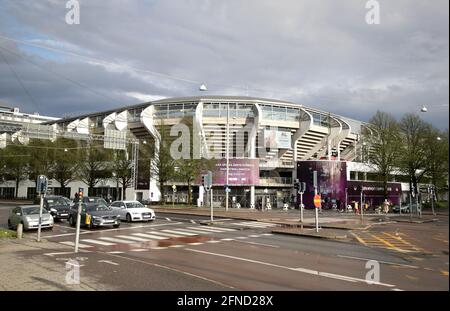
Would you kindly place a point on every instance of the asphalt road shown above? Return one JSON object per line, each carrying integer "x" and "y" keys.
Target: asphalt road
{"x": 178, "y": 253}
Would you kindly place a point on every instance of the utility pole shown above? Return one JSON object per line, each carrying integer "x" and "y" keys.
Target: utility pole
{"x": 227, "y": 157}
{"x": 77, "y": 233}
{"x": 42, "y": 183}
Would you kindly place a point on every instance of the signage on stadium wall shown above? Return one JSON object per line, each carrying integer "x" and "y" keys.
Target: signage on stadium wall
{"x": 277, "y": 138}
{"x": 241, "y": 172}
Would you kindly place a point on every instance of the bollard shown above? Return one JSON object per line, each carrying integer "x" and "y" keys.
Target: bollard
{"x": 19, "y": 231}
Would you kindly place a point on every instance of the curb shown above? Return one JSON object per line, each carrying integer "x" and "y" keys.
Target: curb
{"x": 339, "y": 238}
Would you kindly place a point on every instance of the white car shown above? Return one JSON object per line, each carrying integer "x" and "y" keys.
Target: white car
{"x": 133, "y": 211}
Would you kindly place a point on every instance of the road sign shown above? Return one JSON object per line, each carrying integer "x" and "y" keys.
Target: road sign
{"x": 317, "y": 201}
{"x": 227, "y": 189}
{"x": 41, "y": 184}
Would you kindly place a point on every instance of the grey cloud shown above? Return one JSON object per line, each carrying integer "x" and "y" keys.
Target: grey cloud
{"x": 320, "y": 54}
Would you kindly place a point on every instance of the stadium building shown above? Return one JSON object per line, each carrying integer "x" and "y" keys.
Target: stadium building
{"x": 270, "y": 144}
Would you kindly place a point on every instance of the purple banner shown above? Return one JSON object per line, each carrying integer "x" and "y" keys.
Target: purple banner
{"x": 241, "y": 172}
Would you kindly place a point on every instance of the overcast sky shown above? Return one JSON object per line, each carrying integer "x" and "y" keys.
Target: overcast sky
{"x": 321, "y": 54}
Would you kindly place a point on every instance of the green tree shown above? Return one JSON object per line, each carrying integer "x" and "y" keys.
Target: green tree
{"x": 17, "y": 159}
{"x": 66, "y": 160}
{"x": 162, "y": 166}
{"x": 413, "y": 155}
{"x": 94, "y": 165}
{"x": 383, "y": 140}
{"x": 436, "y": 153}
{"x": 189, "y": 168}
{"x": 121, "y": 168}
{"x": 41, "y": 160}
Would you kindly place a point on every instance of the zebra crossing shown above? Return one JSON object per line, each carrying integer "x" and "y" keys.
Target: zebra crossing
{"x": 173, "y": 234}
{"x": 255, "y": 224}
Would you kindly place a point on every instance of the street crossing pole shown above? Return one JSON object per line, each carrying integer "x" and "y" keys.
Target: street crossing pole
{"x": 77, "y": 234}
{"x": 40, "y": 217}
{"x": 316, "y": 205}
{"x": 41, "y": 185}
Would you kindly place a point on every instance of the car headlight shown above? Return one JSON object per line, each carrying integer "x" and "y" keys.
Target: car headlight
{"x": 28, "y": 219}
{"x": 95, "y": 217}
{"x": 53, "y": 210}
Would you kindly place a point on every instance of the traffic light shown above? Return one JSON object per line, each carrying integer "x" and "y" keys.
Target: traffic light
{"x": 303, "y": 187}
{"x": 297, "y": 184}
{"x": 203, "y": 180}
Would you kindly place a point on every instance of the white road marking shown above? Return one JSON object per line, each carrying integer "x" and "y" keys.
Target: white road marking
{"x": 151, "y": 236}
{"x": 176, "y": 246}
{"x": 206, "y": 229}
{"x": 115, "y": 252}
{"x": 80, "y": 245}
{"x": 255, "y": 224}
{"x": 179, "y": 232}
{"x": 117, "y": 240}
{"x": 303, "y": 270}
{"x": 397, "y": 290}
{"x": 267, "y": 234}
{"x": 139, "y": 250}
{"x": 197, "y": 232}
{"x": 158, "y": 247}
{"x": 213, "y": 241}
{"x": 228, "y": 239}
{"x": 224, "y": 229}
{"x": 98, "y": 242}
{"x": 241, "y": 237}
{"x": 196, "y": 243}
{"x": 380, "y": 261}
{"x": 109, "y": 262}
{"x": 118, "y": 229}
{"x": 135, "y": 238}
{"x": 165, "y": 235}
{"x": 262, "y": 244}
{"x": 60, "y": 253}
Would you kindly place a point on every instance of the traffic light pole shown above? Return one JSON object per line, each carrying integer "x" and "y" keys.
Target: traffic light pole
{"x": 211, "y": 204}
{"x": 77, "y": 234}
{"x": 301, "y": 207}
{"x": 40, "y": 218}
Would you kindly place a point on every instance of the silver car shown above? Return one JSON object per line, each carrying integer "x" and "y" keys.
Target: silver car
{"x": 28, "y": 215}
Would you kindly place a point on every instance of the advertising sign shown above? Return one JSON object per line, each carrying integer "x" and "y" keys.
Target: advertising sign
{"x": 241, "y": 172}
{"x": 277, "y": 138}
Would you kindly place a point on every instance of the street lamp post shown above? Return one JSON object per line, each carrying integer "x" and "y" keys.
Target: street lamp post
{"x": 227, "y": 157}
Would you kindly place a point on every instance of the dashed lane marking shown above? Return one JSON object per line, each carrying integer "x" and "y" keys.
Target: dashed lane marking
{"x": 80, "y": 245}
{"x": 98, "y": 242}
{"x": 299, "y": 269}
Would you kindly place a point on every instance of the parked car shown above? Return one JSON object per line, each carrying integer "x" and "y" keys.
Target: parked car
{"x": 57, "y": 206}
{"x": 28, "y": 215}
{"x": 405, "y": 209}
{"x": 96, "y": 200}
{"x": 133, "y": 211}
{"x": 94, "y": 215}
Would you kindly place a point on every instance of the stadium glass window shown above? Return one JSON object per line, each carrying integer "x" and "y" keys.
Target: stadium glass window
{"x": 267, "y": 112}
{"x": 292, "y": 114}
{"x": 279, "y": 113}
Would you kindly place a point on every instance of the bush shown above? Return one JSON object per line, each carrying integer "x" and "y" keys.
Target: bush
{"x": 6, "y": 233}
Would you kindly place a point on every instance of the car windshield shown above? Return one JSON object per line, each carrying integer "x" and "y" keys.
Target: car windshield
{"x": 32, "y": 210}
{"x": 97, "y": 200}
{"x": 56, "y": 201}
{"x": 134, "y": 205}
{"x": 97, "y": 208}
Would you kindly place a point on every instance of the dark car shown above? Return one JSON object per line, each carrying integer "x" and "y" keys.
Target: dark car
{"x": 96, "y": 200}
{"x": 56, "y": 205}
{"x": 94, "y": 215}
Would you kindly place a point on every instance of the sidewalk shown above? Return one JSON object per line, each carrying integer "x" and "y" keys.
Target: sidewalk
{"x": 24, "y": 269}
{"x": 324, "y": 233}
